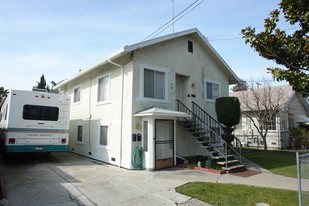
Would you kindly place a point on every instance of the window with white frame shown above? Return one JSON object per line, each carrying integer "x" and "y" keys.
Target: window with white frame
{"x": 80, "y": 133}
{"x": 76, "y": 95}
{"x": 272, "y": 124}
{"x": 103, "y": 89}
{"x": 212, "y": 90}
{"x": 154, "y": 84}
{"x": 103, "y": 135}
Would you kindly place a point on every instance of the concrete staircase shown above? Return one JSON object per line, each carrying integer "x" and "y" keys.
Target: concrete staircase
{"x": 208, "y": 132}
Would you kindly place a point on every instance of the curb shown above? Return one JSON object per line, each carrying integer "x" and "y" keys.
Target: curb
{"x": 203, "y": 169}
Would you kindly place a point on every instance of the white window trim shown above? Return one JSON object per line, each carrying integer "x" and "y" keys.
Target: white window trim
{"x": 154, "y": 68}
{"x": 205, "y": 89}
{"x": 83, "y": 134}
{"x": 109, "y": 89}
{"x": 80, "y": 101}
{"x": 108, "y": 135}
{"x": 276, "y": 124}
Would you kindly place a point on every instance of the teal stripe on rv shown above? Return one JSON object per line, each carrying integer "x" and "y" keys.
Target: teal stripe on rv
{"x": 36, "y": 148}
{"x": 35, "y": 130}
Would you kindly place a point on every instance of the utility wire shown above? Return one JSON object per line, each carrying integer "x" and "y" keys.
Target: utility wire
{"x": 174, "y": 19}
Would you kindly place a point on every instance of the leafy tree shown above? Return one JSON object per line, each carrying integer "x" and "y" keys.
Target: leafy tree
{"x": 242, "y": 86}
{"x": 289, "y": 50}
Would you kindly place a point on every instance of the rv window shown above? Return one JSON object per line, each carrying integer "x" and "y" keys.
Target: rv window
{"x": 35, "y": 112}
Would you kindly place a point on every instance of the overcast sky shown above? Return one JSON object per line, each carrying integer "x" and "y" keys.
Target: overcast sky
{"x": 58, "y": 37}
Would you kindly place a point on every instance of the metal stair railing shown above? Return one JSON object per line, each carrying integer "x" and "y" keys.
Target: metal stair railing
{"x": 214, "y": 138}
{"x": 212, "y": 123}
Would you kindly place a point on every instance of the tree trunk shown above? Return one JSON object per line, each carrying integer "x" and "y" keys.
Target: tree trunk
{"x": 265, "y": 142}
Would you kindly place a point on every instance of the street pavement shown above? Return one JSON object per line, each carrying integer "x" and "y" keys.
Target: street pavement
{"x": 67, "y": 179}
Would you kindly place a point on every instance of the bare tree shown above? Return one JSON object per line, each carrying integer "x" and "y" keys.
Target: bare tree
{"x": 262, "y": 106}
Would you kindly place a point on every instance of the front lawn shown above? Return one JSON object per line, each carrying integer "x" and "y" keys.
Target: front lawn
{"x": 231, "y": 194}
{"x": 280, "y": 163}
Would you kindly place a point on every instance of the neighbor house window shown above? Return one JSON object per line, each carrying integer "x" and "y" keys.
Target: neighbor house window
{"x": 212, "y": 90}
{"x": 244, "y": 123}
{"x": 80, "y": 133}
{"x": 103, "y": 137}
{"x": 154, "y": 84}
{"x": 272, "y": 124}
{"x": 76, "y": 95}
{"x": 103, "y": 88}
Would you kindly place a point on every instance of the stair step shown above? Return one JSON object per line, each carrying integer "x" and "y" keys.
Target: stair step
{"x": 210, "y": 146}
{"x": 221, "y": 157}
{"x": 191, "y": 125}
{"x": 195, "y": 129}
{"x": 213, "y": 152}
{"x": 233, "y": 167}
{"x": 228, "y": 162}
{"x": 202, "y": 142}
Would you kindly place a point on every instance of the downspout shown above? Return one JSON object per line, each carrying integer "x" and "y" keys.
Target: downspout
{"x": 121, "y": 107}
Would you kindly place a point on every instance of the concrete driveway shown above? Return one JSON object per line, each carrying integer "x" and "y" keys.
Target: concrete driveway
{"x": 69, "y": 179}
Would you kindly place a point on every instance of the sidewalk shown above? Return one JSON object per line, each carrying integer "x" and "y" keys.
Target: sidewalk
{"x": 82, "y": 181}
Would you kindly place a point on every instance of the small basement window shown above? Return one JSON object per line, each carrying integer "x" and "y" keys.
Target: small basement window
{"x": 190, "y": 46}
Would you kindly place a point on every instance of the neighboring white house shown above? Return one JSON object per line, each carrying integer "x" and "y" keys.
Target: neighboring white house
{"x": 293, "y": 111}
{"x": 129, "y": 99}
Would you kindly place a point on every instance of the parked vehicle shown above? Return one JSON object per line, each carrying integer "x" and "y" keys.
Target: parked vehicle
{"x": 34, "y": 121}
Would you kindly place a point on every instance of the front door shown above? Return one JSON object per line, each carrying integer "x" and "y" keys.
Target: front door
{"x": 164, "y": 143}
{"x": 180, "y": 88}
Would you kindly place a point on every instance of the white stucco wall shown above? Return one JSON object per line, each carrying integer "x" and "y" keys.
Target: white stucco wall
{"x": 173, "y": 58}
{"x": 91, "y": 115}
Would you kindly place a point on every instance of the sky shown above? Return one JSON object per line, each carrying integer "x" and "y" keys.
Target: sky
{"x": 57, "y": 38}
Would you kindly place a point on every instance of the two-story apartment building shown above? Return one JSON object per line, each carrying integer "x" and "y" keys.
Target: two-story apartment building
{"x": 129, "y": 99}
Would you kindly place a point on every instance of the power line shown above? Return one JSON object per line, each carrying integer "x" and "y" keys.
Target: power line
{"x": 237, "y": 38}
{"x": 174, "y": 19}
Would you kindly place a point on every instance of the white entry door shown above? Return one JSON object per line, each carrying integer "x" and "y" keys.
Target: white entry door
{"x": 164, "y": 143}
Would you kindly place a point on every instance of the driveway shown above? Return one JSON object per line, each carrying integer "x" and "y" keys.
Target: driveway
{"x": 70, "y": 179}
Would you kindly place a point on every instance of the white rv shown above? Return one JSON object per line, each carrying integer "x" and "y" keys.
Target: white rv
{"x": 32, "y": 121}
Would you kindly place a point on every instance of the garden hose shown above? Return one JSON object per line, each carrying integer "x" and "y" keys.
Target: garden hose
{"x": 138, "y": 158}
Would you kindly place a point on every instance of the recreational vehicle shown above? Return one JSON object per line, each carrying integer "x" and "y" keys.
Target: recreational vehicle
{"x": 33, "y": 121}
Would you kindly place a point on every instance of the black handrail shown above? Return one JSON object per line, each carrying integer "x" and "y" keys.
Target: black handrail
{"x": 215, "y": 124}
{"x": 209, "y": 124}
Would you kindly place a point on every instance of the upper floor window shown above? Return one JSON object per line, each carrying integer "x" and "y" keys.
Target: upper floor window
{"x": 190, "y": 46}
{"x": 76, "y": 95}
{"x": 154, "y": 84}
{"x": 103, "y": 89}
{"x": 212, "y": 90}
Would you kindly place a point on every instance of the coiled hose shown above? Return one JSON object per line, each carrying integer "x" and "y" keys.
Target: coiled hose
{"x": 138, "y": 158}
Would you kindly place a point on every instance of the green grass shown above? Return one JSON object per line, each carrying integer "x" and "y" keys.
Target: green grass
{"x": 238, "y": 195}
{"x": 277, "y": 162}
